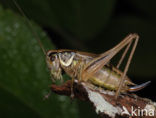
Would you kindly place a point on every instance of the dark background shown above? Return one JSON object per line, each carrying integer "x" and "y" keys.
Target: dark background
{"x": 94, "y": 26}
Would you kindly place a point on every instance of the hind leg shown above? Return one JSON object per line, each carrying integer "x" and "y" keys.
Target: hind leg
{"x": 136, "y": 37}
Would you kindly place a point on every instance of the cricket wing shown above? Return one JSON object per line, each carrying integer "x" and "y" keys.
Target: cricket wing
{"x": 98, "y": 62}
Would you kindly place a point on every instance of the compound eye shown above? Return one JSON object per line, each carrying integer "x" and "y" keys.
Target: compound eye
{"x": 52, "y": 58}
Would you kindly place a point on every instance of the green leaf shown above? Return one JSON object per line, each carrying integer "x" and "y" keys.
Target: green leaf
{"x": 24, "y": 77}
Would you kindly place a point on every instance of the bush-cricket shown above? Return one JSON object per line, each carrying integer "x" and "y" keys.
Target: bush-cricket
{"x": 92, "y": 68}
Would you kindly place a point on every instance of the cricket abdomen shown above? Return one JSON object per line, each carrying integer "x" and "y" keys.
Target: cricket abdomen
{"x": 109, "y": 78}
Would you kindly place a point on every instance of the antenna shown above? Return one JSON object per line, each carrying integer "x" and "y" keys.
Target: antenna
{"x": 30, "y": 26}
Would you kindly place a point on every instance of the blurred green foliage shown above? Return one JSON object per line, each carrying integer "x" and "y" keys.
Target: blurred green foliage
{"x": 24, "y": 78}
{"x": 88, "y": 25}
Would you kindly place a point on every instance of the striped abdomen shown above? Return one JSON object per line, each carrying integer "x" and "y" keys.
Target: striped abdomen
{"x": 109, "y": 78}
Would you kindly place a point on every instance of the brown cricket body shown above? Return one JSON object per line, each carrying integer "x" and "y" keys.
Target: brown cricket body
{"x": 73, "y": 62}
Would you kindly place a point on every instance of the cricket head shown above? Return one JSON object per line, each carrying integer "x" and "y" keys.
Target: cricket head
{"x": 53, "y": 64}
{"x": 57, "y": 60}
